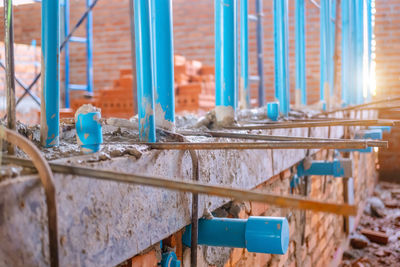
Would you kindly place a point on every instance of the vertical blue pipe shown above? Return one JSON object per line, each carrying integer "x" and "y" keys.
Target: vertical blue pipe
{"x": 163, "y": 58}
{"x": 353, "y": 51}
{"x": 225, "y": 53}
{"x": 147, "y": 130}
{"x": 300, "y": 52}
{"x": 369, "y": 22}
{"x": 244, "y": 53}
{"x": 260, "y": 52}
{"x": 332, "y": 46}
{"x": 346, "y": 53}
{"x": 324, "y": 49}
{"x": 50, "y": 114}
{"x": 66, "y": 54}
{"x": 89, "y": 48}
{"x": 281, "y": 55}
{"x": 359, "y": 50}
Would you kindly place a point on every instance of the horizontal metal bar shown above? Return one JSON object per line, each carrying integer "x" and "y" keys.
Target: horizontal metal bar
{"x": 76, "y": 39}
{"x": 78, "y": 87}
{"x": 197, "y": 187}
{"x": 360, "y": 106}
{"x": 287, "y": 125}
{"x": 256, "y": 145}
{"x": 383, "y": 144}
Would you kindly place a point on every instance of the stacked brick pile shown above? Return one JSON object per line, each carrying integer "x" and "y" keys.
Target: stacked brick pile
{"x": 114, "y": 102}
{"x": 194, "y": 91}
{"x": 194, "y": 85}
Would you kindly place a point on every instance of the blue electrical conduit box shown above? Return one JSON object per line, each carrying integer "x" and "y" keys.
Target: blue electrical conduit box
{"x": 336, "y": 168}
{"x": 257, "y": 234}
{"x": 374, "y": 134}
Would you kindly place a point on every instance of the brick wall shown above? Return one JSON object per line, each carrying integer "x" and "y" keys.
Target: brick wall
{"x": 324, "y": 235}
{"x": 27, "y": 65}
{"x": 388, "y": 80}
{"x": 193, "y": 38}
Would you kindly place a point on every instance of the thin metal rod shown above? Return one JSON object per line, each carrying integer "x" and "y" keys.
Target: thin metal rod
{"x": 27, "y": 89}
{"x": 354, "y": 107}
{"x": 257, "y": 145}
{"x": 10, "y": 71}
{"x": 373, "y": 143}
{"x": 196, "y": 187}
{"x": 315, "y": 124}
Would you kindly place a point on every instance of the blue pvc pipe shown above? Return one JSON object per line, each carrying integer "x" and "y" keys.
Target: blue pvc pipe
{"x": 50, "y": 113}
{"x": 281, "y": 55}
{"x": 334, "y": 168}
{"x": 300, "y": 51}
{"x": 66, "y": 54}
{"x": 88, "y": 132}
{"x": 359, "y": 7}
{"x": 225, "y": 53}
{"x": 257, "y": 234}
{"x": 89, "y": 48}
{"x": 324, "y": 50}
{"x": 369, "y": 25}
{"x": 260, "y": 53}
{"x": 244, "y": 52}
{"x": 352, "y": 56}
{"x": 332, "y": 46}
{"x": 346, "y": 53}
{"x": 147, "y": 129}
{"x": 163, "y": 57}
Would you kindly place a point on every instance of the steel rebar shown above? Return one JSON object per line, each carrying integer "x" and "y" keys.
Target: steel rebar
{"x": 287, "y": 125}
{"x": 10, "y": 71}
{"x": 257, "y": 145}
{"x": 197, "y": 187}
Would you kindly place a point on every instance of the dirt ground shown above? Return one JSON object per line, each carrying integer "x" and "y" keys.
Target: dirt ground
{"x": 382, "y": 214}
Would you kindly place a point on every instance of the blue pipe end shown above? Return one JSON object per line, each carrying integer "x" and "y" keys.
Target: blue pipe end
{"x": 273, "y": 111}
{"x": 88, "y": 132}
{"x": 267, "y": 235}
{"x": 170, "y": 260}
{"x": 258, "y": 234}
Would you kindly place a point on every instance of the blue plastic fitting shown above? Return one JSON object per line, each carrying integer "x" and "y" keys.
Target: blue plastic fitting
{"x": 336, "y": 168}
{"x": 375, "y": 134}
{"x": 88, "y": 132}
{"x": 273, "y": 111}
{"x": 170, "y": 260}
{"x": 256, "y": 234}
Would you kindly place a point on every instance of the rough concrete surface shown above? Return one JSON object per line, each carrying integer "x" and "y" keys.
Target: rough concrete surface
{"x": 103, "y": 223}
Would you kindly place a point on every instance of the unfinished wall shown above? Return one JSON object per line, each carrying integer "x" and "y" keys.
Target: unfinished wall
{"x": 193, "y": 38}
{"x": 323, "y": 236}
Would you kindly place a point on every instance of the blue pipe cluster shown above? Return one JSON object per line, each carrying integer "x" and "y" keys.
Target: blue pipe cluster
{"x": 50, "y": 105}
{"x": 335, "y": 168}
{"x": 256, "y": 234}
